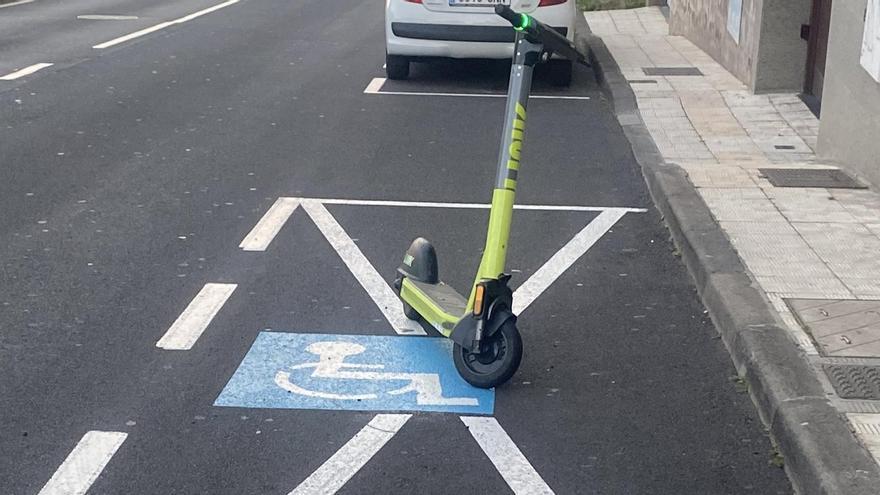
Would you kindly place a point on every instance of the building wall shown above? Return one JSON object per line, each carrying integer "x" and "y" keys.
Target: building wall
{"x": 849, "y": 130}
{"x": 705, "y": 24}
{"x": 770, "y": 55}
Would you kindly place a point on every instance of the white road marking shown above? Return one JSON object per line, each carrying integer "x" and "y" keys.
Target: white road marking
{"x": 526, "y": 293}
{"x": 163, "y": 25}
{"x": 375, "y": 86}
{"x": 13, "y": 4}
{"x": 24, "y": 72}
{"x": 348, "y": 460}
{"x": 103, "y": 17}
{"x": 476, "y": 206}
{"x": 384, "y": 297}
{"x": 190, "y": 325}
{"x": 268, "y": 227}
{"x": 506, "y": 456}
{"x": 84, "y": 463}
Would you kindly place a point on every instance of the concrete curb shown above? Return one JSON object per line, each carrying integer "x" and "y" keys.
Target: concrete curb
{"x": 822, "y": 455}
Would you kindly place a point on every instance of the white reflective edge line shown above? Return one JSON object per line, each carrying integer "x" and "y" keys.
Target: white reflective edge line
{"x": 13, "y": 4}
{"x": 348, "y": 460}
{"x": 163, "y": 25}
{"x": 379, "y": 291}
{"x": 25, "y": 72}
{"x": 526, "y": 293}
{"x": 268, "y": 227}
{"x": 84, "y": 463}
{"x": 190, "y": 325}
{"x": 429, "y": 204}
{"x": 510, "y": 462}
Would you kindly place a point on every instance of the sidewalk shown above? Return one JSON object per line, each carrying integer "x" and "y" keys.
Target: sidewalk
{"x": 814, "y": 252}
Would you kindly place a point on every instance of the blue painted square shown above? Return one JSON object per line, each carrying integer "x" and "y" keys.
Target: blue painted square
{"x": 352, "y": 372}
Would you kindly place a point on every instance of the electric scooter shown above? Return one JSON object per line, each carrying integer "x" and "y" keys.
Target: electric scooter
{"x": 487, "y": 346}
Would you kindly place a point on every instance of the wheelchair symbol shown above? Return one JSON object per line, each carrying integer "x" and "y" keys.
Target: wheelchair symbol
{"x": 331, "y": 365}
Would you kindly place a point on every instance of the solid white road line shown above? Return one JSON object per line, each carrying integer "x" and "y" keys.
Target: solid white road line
{"x": 84, "y": 463}
{"x": 375, "y": 88}
{"x": 163, "y": 25}
{"x": 190, "y": 325}
{"x": 268, "y": 227}
{"x": 24, "y": 72}
{"x": 476, "y": 206}
{"x": 526, "y": 293}
{"x": 13, "y": 4}
{"x": 362, "y": 269}
{"x": 507, "y": 458}
{"x": 347, "y": 461}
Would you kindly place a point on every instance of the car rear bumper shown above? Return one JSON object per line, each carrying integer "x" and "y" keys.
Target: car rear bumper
{"x": 458, "y": 32}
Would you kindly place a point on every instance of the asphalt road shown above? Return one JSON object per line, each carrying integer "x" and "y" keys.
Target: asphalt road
{"x": 130, "y": 175}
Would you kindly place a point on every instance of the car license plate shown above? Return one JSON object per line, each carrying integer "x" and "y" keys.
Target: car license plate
{"x": 477, "y": 3}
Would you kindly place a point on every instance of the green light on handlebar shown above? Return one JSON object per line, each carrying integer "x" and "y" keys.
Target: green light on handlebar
{"x": 524, "y": 22}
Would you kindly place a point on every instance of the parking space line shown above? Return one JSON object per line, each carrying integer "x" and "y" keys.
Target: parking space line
{"x": 510, "y": 462}
{"x": 476, "y": 206}
{"x": 84, "y": 463}
{"x": 375, "y": 88}
{"x": 526, "y": 293}
{"x": 385, "y": 298}
{"x": 24, "y": 72}
{"x": 348, "y": 460}
{"x": 163, "y": 25}
{"x": 190, "y": 325}
{"x": 268, "y": 227}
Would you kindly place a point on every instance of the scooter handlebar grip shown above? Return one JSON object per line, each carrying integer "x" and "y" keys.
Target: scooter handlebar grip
{"x": 508, "y": 13}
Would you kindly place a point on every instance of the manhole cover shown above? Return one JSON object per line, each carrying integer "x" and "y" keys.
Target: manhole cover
{"x": 807, "y": 177}
{"x": 840, "y": 327}
{"x": 671, "y": 71}
{"x": 853, "y": 381}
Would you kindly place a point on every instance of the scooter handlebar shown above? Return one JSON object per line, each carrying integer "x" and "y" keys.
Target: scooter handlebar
{"x": 538, "y": 32}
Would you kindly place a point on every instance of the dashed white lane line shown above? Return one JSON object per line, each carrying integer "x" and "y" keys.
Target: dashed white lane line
{"x": 526, "y": 293}
{"x": 513, "y": 466}
{"x": 268, "y": 227}
{"x": 163, "y": 25}
{"x": 190, "y": 325}
{"x": 363, "y": 270}
{"x": 375, "y": 88}
{"x": 84, "y": 463}
{"x": 24, "y": 72}
{"x": 347, "y": 461}
{"x": 104, "y": 17}
{"x": 475, "y": 206}
{"x": 13, "y": 4}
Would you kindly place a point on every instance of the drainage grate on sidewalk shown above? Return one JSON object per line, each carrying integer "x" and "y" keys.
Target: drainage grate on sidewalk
{"x": 671, "y": 71}
{"x": 852, "y": 381}
{"x": 807, "y": 177}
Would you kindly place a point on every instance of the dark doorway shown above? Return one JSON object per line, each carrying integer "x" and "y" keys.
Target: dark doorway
{"x": 820, "y": 23}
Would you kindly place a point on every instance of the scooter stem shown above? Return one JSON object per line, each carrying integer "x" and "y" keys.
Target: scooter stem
{"x": 526, "y": 56}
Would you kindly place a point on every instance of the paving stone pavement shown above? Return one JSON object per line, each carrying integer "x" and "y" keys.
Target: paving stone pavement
{"x": 808, "y": 248}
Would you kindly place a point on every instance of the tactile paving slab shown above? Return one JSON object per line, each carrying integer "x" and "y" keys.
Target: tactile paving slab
{"x": 854, "y": 381}
{"x": 808, "y": 177}
{"x": 671, "y": 71}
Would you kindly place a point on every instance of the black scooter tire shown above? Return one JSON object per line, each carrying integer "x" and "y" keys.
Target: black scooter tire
{"x": 491, "y": 368}
{"x": 410, "y": 312}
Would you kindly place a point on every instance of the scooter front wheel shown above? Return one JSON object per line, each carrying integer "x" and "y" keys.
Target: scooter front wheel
{"x": 495, "y": 362}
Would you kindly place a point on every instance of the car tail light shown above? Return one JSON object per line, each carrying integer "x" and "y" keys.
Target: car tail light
{"x": 413, "y": 1}
{"x": 547, "y": 3}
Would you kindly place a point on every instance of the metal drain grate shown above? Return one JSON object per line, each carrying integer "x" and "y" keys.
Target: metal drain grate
{"x": 808, "y": 177}
{"x": 671, "y": 71}
{"x": 852, "y": 381}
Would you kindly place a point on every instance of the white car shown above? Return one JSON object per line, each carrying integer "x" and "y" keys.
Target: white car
{"x": 418, "y": 29}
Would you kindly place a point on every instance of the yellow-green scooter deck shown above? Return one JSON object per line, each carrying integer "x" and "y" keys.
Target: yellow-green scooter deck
{"x": 439, "y": 304}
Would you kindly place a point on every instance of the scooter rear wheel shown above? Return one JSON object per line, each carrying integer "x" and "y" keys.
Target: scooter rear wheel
{"x": 495, "y": 362}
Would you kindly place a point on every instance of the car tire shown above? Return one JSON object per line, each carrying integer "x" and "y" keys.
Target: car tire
{"x": 560, "y": 72}
{"x": 396, "y": 67}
